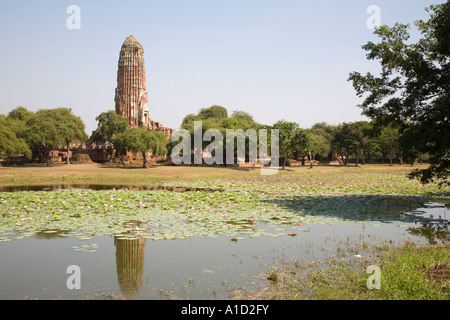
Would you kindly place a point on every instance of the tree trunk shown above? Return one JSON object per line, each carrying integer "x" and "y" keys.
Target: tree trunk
{"x": 345, "y": 160}
{"x": 390, "y": 161}
{"x": 357, "y": 158}
{"x": 284, "y": 162}
{"x": 48, "y": 159}
{"x": 145, "y": 160}
{"x": 68, "y": 150}
{"x": 310, "y": 160}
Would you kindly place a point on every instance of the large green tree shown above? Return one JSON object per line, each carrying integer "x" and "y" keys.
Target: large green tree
{"x": 301, "y": 145}
{"x": 410, "y": 144}
{"x": 388, "y": 139}
{"x": 10, "y": 144}
{"x": 216, "y": 117}
{"x": 413, "y": 85}
{"x": 12, "y": 133}
{"x": 17, "y": 120}
{"x": 50, "y": 129}
{"x": 141, "y": 140}
{"x": 321, "y": 135}
{"x": 351, "y": 140}
{"x": 110, "y": 124}
{"x": 73, "y": 130}
{"x": 286, "y": 130}
{"x": 214, "y": 111}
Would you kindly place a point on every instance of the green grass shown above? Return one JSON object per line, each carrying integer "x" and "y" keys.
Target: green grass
{"x": 97, "y": 173}
{"x": 403, "y": 269}
{"x": 101, "y": 174}
{"x": 405, "y": 276}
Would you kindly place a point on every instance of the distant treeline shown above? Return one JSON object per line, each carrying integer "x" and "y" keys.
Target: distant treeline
{"x": 359, "y": 141}
{"x": 33, "y": 135}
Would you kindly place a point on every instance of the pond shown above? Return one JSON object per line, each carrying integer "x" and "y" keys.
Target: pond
{"x": 139, "y": 263}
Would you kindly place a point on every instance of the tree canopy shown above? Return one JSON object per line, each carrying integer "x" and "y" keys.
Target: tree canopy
{"x": 301, "y": 144}
{"x": 388, "y": 139}
{"x": 286, "y": 131}
{"x": 49, "y": 129}
{"x": 216, "y": 117}
{"x": 10, "y": 144}
{"x": 73, "y": 129}
{"x": 141, "y": 140}
{"x": 413, "y": 86}
{"x": 110, "y": 124}
{"x": 12, "y": 133}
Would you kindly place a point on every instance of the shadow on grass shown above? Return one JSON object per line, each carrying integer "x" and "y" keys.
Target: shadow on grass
{"x": 381, "y": 208}
{"x": 426, "y": 218}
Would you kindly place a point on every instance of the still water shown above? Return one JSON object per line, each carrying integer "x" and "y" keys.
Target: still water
{"x": 192, "y": 268}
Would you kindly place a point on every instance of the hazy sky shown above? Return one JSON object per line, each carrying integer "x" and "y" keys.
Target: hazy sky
{"x": 275, "y": 59}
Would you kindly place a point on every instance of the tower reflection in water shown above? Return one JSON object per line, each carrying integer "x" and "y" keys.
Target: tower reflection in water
{"x": 130, "y": 253}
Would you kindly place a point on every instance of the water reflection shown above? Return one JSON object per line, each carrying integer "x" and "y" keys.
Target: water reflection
{"x": 130, "y": 253}
{"x": 66, "y": 186}
{"x": 434, "y": 236}
{"x": 52, "y": 233}
{"x": 435, "y": 228}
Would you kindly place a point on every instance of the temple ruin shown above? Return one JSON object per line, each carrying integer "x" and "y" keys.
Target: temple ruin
{"x": 131, "y": 97}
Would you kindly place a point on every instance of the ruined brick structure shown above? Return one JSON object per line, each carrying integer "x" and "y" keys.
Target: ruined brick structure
{"x": 131, "y": 97}
{"x": 131, "y": 101}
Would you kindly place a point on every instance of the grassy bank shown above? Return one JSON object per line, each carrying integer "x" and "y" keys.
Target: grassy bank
{"x": 408, "y": 272}
{"x": 101, "y": 174}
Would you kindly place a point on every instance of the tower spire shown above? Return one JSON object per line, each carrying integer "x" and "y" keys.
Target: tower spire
{"x": 131, "y": 96}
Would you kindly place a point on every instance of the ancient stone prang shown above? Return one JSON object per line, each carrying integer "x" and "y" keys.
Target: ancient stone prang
{"x": 131, "y": 96}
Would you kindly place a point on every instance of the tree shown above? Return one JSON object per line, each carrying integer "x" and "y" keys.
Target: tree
{"x": 321, "y": 135}
{"x": 369, "y": 145}
{"x": 341, "y": 143}
{"x": 10, "y": 144}
{"x": 216, "y": 117}
{"x": 73, "y": 129}
{"x": 413, "y": 85}
{"x": 188, "y": 120}
{"x": 20, "y": 113}
{"x": 410, "y": 143}
{"x": 44, "y": 133}
{"x": 110, "y": 124}
{"x": 244, "y": 117}
{"x": 319, "y": 145}
{"x": 214, "y": 111}
{"x": 50, "y": 129}
{"x": 17, "y": 119}
{"x": 351, "y": 139}
{"x": 141, "y": 140}
{"x": 286, "y": 132}
{"x": 388, "y": 141}
{"x": 12, "y": 133}
{"x": 301, "y": 145}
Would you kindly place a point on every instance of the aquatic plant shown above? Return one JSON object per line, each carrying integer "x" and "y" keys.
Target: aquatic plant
{"x": 243, "y": 209}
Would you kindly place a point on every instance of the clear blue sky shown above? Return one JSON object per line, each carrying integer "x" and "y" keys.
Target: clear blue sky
{"x": 275, "y": 59}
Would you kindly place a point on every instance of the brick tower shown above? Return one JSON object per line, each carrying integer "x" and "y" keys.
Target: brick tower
{"x": 131, "y": 96}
